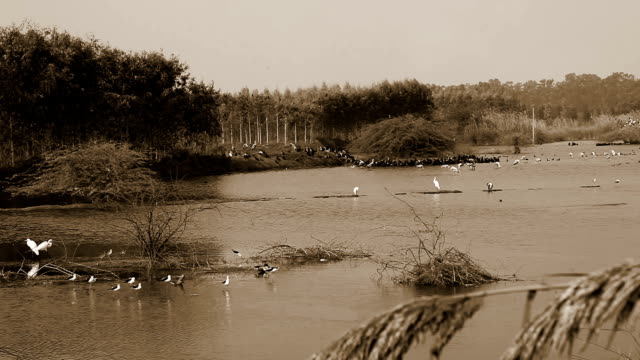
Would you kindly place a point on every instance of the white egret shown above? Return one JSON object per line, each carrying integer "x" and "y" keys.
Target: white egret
{"x": 116, "y": 287}
{"x": 45, "y": 245}
{"x": 137, "y": 287}
{"x": 72, "y": 277}
{"x": 538, "y": 159}
{"x": 594, "y": 180}
{"x": 498, "y": 164}
{"x": 489, "y": 186}
{"x": 436, "y": 183}
{"x": 355, "y": 190}
{"x": 33, "y": 246}
{"x": 226, "y": 282}
{"x": 131, "y": 280}
{"x": 33, "y": 271}
{"x": 92, "y": 279}
{"x": 109, "y": 252}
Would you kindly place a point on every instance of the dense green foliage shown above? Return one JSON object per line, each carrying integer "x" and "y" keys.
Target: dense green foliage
{"x": 59, "y": 89}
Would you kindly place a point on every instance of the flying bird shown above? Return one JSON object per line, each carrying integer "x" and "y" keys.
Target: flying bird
{"x": 33, "y": 246}
{"x": 436, "y": 183}
{"x": 226, "y": 282}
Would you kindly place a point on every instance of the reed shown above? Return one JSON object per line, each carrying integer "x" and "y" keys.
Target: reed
{"x": 584, "y": 306}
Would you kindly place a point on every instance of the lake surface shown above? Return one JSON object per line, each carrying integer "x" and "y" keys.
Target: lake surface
{"x": 542, "y": 223}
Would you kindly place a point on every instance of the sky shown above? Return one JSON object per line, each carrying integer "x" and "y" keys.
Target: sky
{"x": 278, "y": 44}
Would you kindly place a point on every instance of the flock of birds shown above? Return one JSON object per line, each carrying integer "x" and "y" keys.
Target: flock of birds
{"x": 261, "y": 270}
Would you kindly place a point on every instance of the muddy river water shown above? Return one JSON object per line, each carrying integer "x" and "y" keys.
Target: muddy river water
{"x": 542, "y": 223}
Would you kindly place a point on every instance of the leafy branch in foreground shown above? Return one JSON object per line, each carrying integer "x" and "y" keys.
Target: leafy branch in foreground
{"x": 585, "y": 305}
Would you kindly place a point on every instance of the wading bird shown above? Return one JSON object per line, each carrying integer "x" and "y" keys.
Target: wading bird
{"x": 436, "y": 183}
{"x": 236, "y": 252}
{"x": 131, "y": 280}
{"x": 489, "y": 186}
{"x": 137, "y": 287}
{"x": 33, "y": 271}
{"x": 617, "y": 181}
{"x": 166, "y": 278}
{"x": 355, "y": 190}
{"x": 72, "y": 277}
{"x": 226, "y": 282}
{"x": 498, "y": 164}
{"x": 33, "y": 246}
{"x": 109, "y": 252}
{"x": 179, "y": 281}
{"x": 516, "y": 162}
{"x": 115, "y": 288}
{"x": 92, "y": 279}
{"x": 45, "y": 245}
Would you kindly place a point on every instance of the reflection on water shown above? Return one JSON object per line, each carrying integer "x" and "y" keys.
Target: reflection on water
{"x": 557, "y": 228}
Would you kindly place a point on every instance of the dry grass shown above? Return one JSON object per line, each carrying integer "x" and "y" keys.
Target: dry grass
{"x": 588, "y": 303}
{"x": 321, "y": 251}
{"x": 390, "y": 335}
{"x": 585, "y": 306}
{"x": 431, "y": 262}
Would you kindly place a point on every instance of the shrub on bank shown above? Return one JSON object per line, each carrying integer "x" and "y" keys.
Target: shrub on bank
{"x": 403, "y": 137}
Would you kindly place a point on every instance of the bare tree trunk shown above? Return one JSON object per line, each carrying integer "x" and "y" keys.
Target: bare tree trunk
{"x": 311, "y": 134}
{"x": 222, "y": 128}
{"x": 305, "y": 131}
{"x": 13, "y": 160}
{"x": 231, "y": 123}
{"x": 249, "y": 127}
{"x": 241, "y": 132}
{"x": 285, "y": 130}
{"x": 295, "y": 133}
{"x": 277, "y": 129}
{"x": 266, "y": 125}
{"x": 258, "y": 132}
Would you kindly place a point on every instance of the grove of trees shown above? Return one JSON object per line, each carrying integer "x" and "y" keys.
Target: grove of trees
{"x": 59, "y": 90}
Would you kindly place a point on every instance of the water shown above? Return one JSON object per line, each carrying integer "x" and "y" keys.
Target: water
{"x": 542, "y": 223}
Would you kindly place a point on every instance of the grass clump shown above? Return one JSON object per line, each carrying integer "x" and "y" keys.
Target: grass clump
{"x": 97, "y": 172}
{"x": 322, "y": 251}
{"x": 432, "y": 263}
{"x": 403, "y": 137}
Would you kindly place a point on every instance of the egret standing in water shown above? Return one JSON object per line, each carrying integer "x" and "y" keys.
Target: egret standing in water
{"x": 436, "y": 183}
{"x": 92, "y": 279}
{"x": 115, "y": 288}
{"x": 355, "y": 191}
{"x": 226, "y": 282}
{"x": 489, "y": 186}
{"x": 137, "y": 287}
{"x": 166, "y": 278}
{"x": 72, "y": 277}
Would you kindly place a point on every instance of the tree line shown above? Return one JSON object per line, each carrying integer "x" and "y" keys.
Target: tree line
{"x": 57, "y": 90}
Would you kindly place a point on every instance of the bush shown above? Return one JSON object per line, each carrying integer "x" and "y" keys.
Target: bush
{"x": 403, "y": 137}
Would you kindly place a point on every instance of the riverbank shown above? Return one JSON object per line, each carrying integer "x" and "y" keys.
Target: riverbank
{"x": 108, "y": 172}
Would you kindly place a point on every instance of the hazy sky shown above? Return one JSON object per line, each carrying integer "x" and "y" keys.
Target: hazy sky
{"x": 298, "y": 43}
